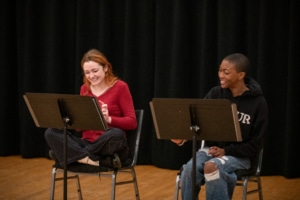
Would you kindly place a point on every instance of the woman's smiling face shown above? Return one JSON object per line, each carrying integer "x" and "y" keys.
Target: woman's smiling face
{"x": 94, "y": 72}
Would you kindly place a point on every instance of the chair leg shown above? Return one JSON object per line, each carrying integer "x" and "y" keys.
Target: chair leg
{"x": 136, "y": 189}
{"x": 176, "y": 193}
{"x": 255, "y": 179}
{"x": 245, "y": 188}
{"x": 78, "y": 187}
{"x": 244, "y": 184}
{"x": 53, "y": 177}
{"x": 133, "y": 181}
{"x": 259, "y": 188}
{"x": 113, "y": 185}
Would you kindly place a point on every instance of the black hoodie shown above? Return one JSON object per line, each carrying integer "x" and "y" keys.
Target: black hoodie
{"x": 253, "y": 118}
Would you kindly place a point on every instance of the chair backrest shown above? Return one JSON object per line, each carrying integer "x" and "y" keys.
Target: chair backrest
{"x": 259, "y": 162}
{"x": 133, "y": 137}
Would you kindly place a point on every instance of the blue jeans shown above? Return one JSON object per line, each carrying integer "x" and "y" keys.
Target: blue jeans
{"x": 218, "y": 188}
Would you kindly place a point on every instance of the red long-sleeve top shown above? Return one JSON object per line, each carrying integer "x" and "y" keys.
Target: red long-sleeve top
{"x": 120, "y": 108}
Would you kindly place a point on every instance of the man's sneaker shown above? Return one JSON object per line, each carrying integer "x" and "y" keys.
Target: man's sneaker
{"x": 111, "y": 161}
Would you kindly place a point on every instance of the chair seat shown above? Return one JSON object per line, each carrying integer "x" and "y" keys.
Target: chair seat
{"x": 85, "y": 168}
{"x": 242, "y": 172}
{"x": 253, "y": 171}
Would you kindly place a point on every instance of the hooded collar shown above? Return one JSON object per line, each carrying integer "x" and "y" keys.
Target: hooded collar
{"x": 254, "y": 87}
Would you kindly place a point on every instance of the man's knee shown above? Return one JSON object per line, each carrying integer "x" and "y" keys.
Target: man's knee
{"x": 186, "y": 171}
{"x": 210, "y": 167}
{"x": 211, "y": 171}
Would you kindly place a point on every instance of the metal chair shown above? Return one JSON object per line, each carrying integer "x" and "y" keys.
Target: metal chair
{"x": 75, "y": 170}
{"x": 244, "y": 177}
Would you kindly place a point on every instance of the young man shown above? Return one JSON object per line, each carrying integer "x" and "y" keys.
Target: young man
{"x": 217, "y": 162}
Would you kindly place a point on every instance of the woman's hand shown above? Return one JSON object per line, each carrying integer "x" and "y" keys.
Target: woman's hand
{"x": 105, "y": 113}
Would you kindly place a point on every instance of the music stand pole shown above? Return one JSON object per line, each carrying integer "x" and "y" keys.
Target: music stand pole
{"x": 194, "y": 128}
{"x": 65, "y": 159}
{"x": 66, "y": 119}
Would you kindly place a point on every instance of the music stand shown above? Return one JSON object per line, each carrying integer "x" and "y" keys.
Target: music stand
{"x": 207, "y": 119}
{"x": 65, "y": 111}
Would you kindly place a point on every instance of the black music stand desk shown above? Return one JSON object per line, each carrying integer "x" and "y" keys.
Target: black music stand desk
{"x": 206, "y": 119}
{"x": 65, "y": 111}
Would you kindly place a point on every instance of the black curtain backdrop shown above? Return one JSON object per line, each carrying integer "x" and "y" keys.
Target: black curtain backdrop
{"x": 169, "y": 48}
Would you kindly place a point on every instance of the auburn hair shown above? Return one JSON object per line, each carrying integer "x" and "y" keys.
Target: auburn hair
{"x": 98, "y": 57}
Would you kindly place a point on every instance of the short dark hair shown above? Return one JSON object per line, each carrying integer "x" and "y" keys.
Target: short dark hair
{"x": 240, "y": 61}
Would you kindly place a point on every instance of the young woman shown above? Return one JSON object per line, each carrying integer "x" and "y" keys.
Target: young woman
{"x": 99, "y": 148}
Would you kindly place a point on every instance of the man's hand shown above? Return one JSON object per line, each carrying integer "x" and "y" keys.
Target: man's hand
{"x": 216, "y": 151}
